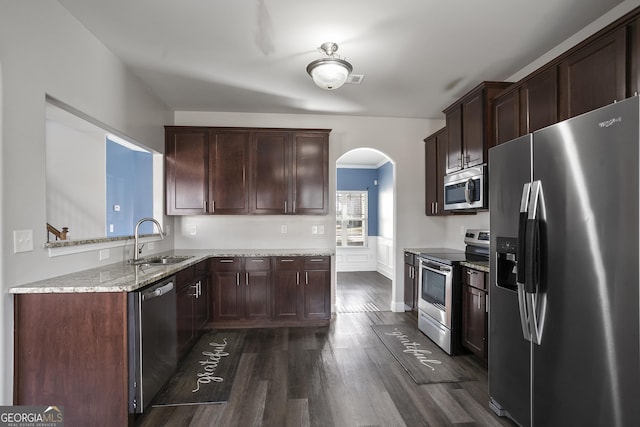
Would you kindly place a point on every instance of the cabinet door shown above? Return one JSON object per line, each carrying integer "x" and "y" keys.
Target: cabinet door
{"x": 435, "y": 166}
{"x": 317, "y": 294}
{"x": 540, "y": 100}
{"x": 201, "y": 304}
{"x": 473, "y": 128}
{"x": 454, "y": 139}
{"x": 229, "y": 297}
{"x": 310, "y": 173}
{"x": 408, "y": 285}
{"x": 474, "y": 321}
{"x": 286, "y": 283}
{"x": 285, "y": 298}
{"x": 441, "y": 153}
{"x": 271, "y": 157}
{"x": 431, "y": 175}
{"x": 187, "y": 166}
{"x": 184, "y": 318}
{"x": 257, "y": 294}
{"x": 594, "y": 76}
{"x": 409, "y": 280}
{"x": 228, "y": 172}
{"x": 507, "y": 116}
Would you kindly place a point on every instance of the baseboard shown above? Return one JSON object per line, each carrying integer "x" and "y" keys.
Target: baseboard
{"x": 397, "y": 306}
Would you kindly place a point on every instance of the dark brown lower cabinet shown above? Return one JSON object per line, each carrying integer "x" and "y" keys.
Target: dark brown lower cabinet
{"x": 192, "y": 305}
{"x": 302, "y": 288}
{"x": 474, "y": 314}
{"x": 71, "y": 351}
{"x": 242, "y": 289}
{"x": 410, "y": 281}
{"x": 316, "y": 288}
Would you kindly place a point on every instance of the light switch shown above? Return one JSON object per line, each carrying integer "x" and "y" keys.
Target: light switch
{"x": 22, "y": 241}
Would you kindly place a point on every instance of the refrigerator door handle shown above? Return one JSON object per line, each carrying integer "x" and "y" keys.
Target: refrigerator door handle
{"x": 521, "y": 261}
{"x": 536, "y": 299}
{"x": 522, "y": 236}
{"x": 524, "y": 313}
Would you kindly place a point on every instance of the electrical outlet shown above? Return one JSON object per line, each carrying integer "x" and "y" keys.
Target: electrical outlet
{"x": 321, "y": 229}
{"x": 104, "y": 254}
{"x": 22, "y": 241}
{"x": 314, "y": 229}
{"x": 283, "y": 229}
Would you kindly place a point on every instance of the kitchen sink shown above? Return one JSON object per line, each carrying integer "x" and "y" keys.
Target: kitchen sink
{"x": 161, "y": 260}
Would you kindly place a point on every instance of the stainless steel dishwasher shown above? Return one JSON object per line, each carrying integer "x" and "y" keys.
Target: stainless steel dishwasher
{"x": 152, "y": 341}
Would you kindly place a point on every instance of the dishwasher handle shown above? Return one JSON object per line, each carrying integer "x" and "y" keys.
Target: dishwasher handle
{"x": 158, "y": 292}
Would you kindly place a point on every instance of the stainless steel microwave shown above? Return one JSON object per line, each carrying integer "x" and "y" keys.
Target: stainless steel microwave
{"x": 466, "y": 189}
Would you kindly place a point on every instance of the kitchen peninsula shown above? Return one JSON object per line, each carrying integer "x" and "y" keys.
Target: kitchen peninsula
{"x": 71, "y": 333}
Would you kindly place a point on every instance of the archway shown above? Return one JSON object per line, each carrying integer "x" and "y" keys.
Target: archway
{"x": 365, "y": 234}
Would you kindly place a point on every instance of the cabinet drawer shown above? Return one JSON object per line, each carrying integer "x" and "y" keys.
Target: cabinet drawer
{"x": 185, "y": 277}
{"x": 227, "y": 264}
{"x": 287, "y": 263}
{"x": 202, "y": 268}
{"x": 317, "y": 263}
{"x": 474, "y": 278}
{"x": 257, "y": 264}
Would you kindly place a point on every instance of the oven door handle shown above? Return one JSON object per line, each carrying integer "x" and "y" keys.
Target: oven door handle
{"x": 436, "y": 268}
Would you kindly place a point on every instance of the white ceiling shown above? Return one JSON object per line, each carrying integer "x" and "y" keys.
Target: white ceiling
{"x": 417, "y": 56}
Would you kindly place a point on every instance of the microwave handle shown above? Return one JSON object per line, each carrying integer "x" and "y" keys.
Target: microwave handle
{"x": 467, "y": 190}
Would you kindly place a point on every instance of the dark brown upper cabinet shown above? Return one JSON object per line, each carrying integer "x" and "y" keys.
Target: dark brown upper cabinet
{"x": 229, "y": 172}
{"x": 207, "y": 171}
{"x": 598, "y": 71}
{"x": 435, "y": 166}
{"x": 527, "y": 106}
{"x": 539, "y": 98}
{"x": 246, "y": 171}
{"x": 187, "y": 171}
{"x": 594, "y": 75}
{"x": 310, "y": 170}
{"x": 271, "y": 158}
{"x": 507, "y": 116}
{"x": 469, "y": 124}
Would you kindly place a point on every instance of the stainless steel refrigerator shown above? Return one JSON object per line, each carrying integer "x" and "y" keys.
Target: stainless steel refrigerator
{"x": 564, "y": 302}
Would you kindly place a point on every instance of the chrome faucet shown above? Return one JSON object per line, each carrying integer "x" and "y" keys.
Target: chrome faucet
{"x": 136, "y": 249}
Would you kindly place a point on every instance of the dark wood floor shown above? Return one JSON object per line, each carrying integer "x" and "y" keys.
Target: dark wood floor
{"x": 339, "y": 375}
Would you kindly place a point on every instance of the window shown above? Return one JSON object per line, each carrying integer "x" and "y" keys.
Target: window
{"x": 351, "y": 218}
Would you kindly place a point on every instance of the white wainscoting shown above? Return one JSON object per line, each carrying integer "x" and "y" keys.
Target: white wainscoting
{"x": 357, "y": 259}
{"x": 377, "y": 256}
{"x": 385, "y": 257}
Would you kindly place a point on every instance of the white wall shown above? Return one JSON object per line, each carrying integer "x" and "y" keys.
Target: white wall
{"x": 71, "y": 202}
{"x": 400, "y": 139}
{"x": 44, "y": 50}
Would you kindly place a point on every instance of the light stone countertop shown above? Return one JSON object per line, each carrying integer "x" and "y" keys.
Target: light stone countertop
{"x": 478, "y": 265}
{"x": 123, "y": 277}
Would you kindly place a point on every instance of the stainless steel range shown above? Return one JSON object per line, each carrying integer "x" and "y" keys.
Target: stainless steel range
{"x": 439, "y": 289}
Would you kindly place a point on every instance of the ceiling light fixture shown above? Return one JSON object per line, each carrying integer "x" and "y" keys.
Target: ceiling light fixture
{"x": 331, "y": 72}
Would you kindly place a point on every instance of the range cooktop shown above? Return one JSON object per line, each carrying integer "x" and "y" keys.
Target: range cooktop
{"x": 444, "y": 255}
